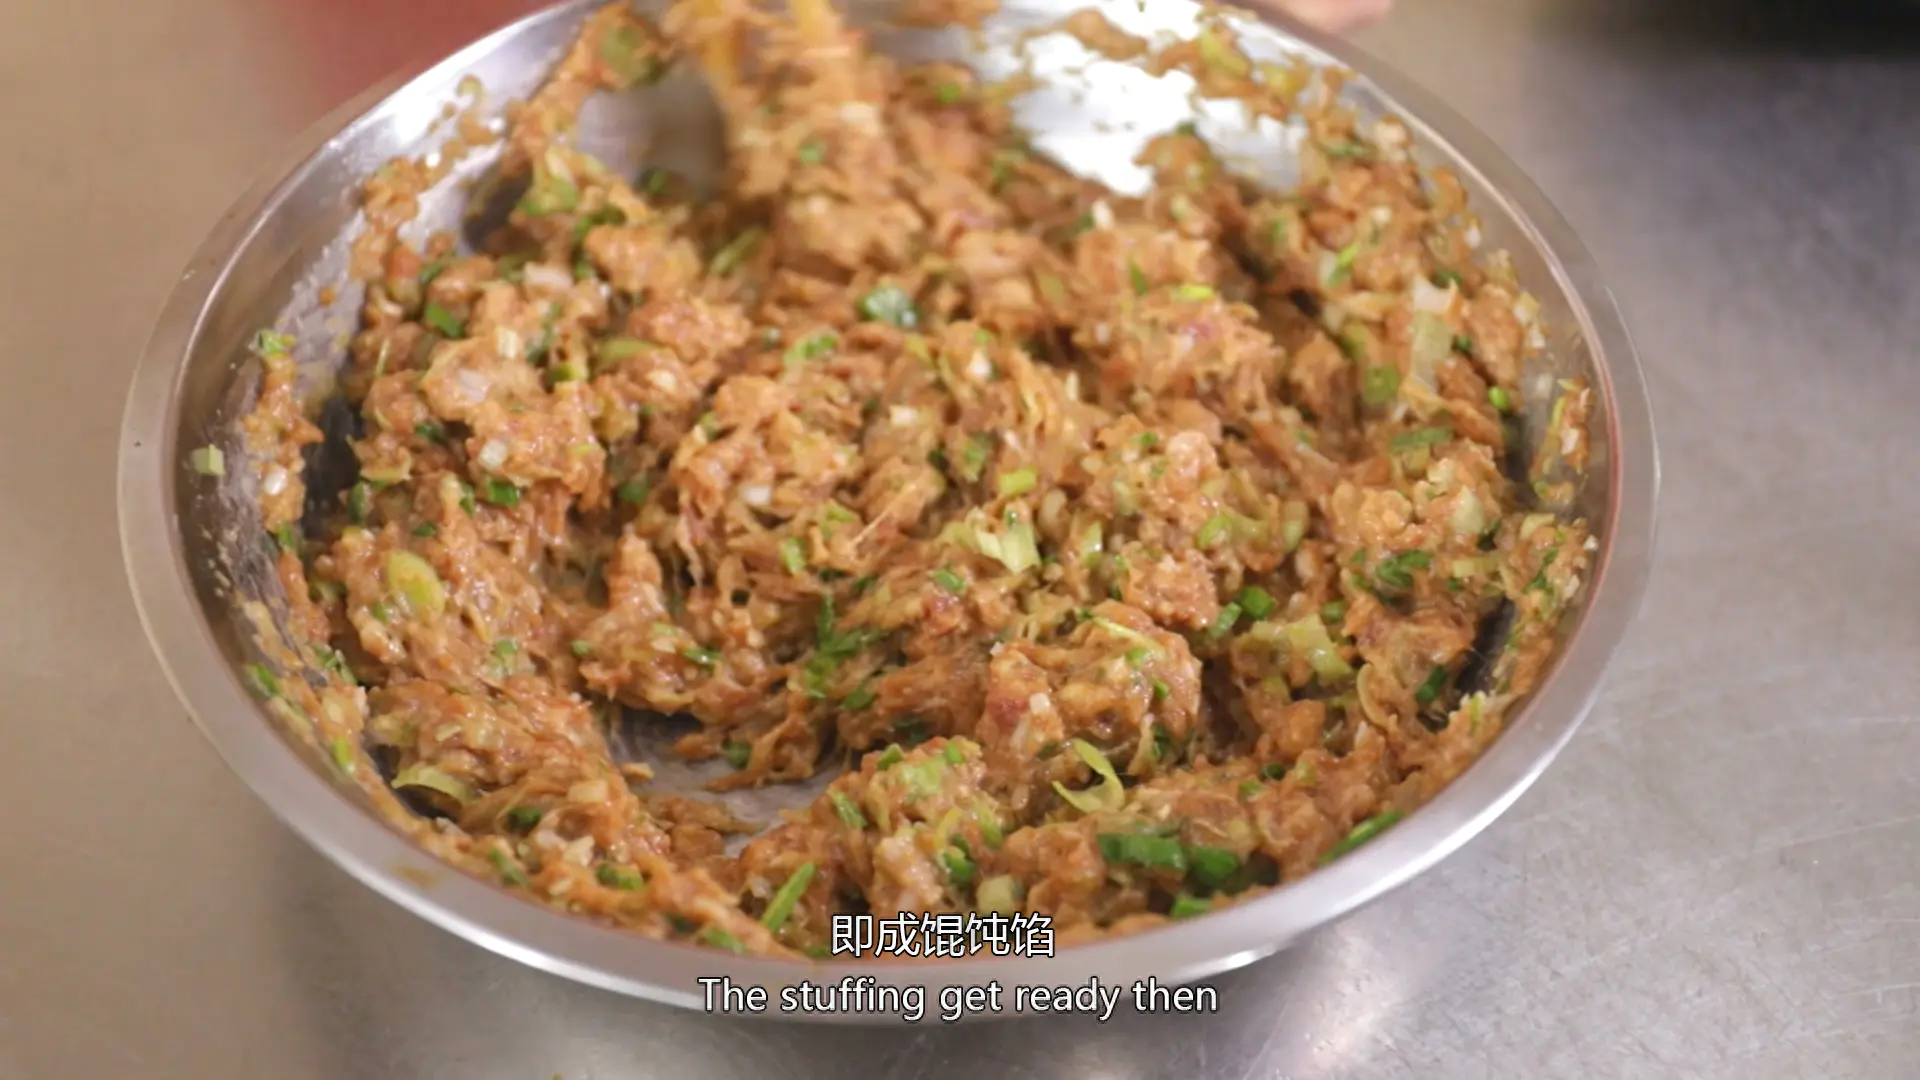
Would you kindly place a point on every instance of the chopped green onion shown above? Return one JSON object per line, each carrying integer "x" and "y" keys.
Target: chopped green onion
{"x": 445, "y": 322}
{"x": 780, "y": 908}
{"x": 426, "y": 530}
{"x": 793, "y": 555}
{"x": 1137, "y": 656}
{"x": 1194, "y": 292}
{"x": 1110, "y": 795}
{"x": 947, "y": 93}
{"x": 466, "y": 496}
{"x": 812, "y": 152}
{"x": 614, "y": 350}
{"x": 701, "y": 655}
{"x": 973, "y": 457}
{"x": 850, "y": 815}
{"x": 1333, "y": 610}
{"x": 859, "y": 699}
{"x": 523, "y": 819}
{"x": 1000, "y": 893}
{"x": 270, "y": 343}
{"x": 890, "y": 304}
{"x": 1463, "y": 344}
{"x": 1257, "y": 602}
{"x": 1362, "y": 833}
{"x": 1420, "y": 438}
{"x": 623, "y": 55}
{"x": 812, "y": 348}
{"x": 949, "y": 581}
{"x": 433, "y": 778}
{"x": 889, "y": 758}
{"x": 1309, "y": 636}
{"x": 288, "y": 538}
{"x": 911, "y": 730}
{"x": 1396, "y": 573}
{"x": 1186, "y": 907}
{"x": 1018, "y": 482}
{"x": 737, "y": 753}
{"x": 1143, "y": 849}
{"x": 1447, "y": 279}
{"x": 1138, "y": 277}
{"x": 509, "y": 873}
{"x": 1343, "y": 262}
{"x": 720, "y": 939}
{"x": 1212, "y": 867}
{"x": 1273, "y": 770}
{"x": 553, "y": 190}
{"x": 1431, "y": 688}
{"x": 953, "y": 753}
{"x": 654, "y": 180}
{"x": 431, "y": 432}
{"x": 960, "y": 867}
{"x": 1220, "y": 56}
{"x": 208, "y": 461}
{"x": 1379, "y": 385}
{"x": 1498, "y": 397}
{"x": 1161, "y": 691}
{"x": 1215, "y": 530}
{"x": 737, "y": 250}
{"x": 634, "y": 491}
{"x": 414, "y": 579}
{"x": 263, "y": 680}
{"x": 619, "y": 877}
{"x": 501, "y": 493}
{"x": 1224, "y": 623}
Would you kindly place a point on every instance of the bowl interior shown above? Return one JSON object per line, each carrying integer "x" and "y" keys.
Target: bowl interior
{"x": 287, "y": 269}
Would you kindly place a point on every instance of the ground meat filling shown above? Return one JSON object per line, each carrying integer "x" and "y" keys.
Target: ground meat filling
{"x": 1129, "y": 552}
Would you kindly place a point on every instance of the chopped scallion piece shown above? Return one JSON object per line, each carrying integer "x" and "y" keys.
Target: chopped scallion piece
{"x": 1257, "y": 602}
{"x": 501, "y": 493}
{"x": 1161, "y": 691}
{"x": 890, "y": 304}
{"x": 1380, "y": 385}
{"x": 889, "y": 758}
{"x": 949, "y": 581}
{"x": 812, "y": 348}
{"x": 1191, "y": 291}
{"x": 720, "y": 939}
{"x": 1224, "y": 623}
{"x": 1212, "y": 867}
{"x": 634, "y": 491}
{"x": 523, "y": 819}
{"x": 208, "y": 461}
{"x": 737, "y": 250}
{"x": 1186, "y": 907}
{"x": 1362, "y": 833}
{"x": 811, "y": 152}
{"x": 625, "y": 878}
{"x": 780, "y": 908}
{"x": 701, "y": 655}
{"x": 1143, "y": 849}
{"x": 1420, "y": 438}
{"x": 1447, "y": 279}
{"x": 859, "y": 699}
{"x": 850, "y": 814}
{"x": 737, "y": 753}
{"x": 1273, "y": 770}
{"x": 509, "y": 871}
{"x": 443, "y": 321}
{"x": 267, "y": 343}
{"x": 960, "y": 867}
{"x": 1018, "y": 482}
{"x": 263, "y": 680}
{"x": 1430, "y": 689}
{"x": 1138, "y": 278}
{"x": 426, "y": 530}
{"x": 624, "y": 55}
{"x": 1213, "y": 531}
{"x": 1395, "y": 573}
{"x": 431, "y": 432}
{"x": 1333, "y": 610}
{"x": 1498, "y": 397}
{"x": 793, "y": 555}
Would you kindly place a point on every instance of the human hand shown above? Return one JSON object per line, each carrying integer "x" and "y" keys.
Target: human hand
{"x": 1336, "y": 16}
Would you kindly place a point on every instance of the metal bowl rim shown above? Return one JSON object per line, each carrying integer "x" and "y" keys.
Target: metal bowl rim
{"x": 587, "y": 952}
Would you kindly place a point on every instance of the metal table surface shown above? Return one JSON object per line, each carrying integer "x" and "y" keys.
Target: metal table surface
{"x": 1721, "y": 877}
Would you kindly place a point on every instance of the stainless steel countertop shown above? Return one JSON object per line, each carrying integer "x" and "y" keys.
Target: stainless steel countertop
{"x": 1721, "y": 876}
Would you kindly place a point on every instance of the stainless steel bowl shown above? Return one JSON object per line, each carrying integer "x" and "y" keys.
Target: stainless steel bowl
{"x": 193, "y": 548}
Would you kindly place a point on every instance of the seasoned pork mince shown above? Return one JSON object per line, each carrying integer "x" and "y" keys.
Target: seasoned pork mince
{"x": 1133, "y": 553}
